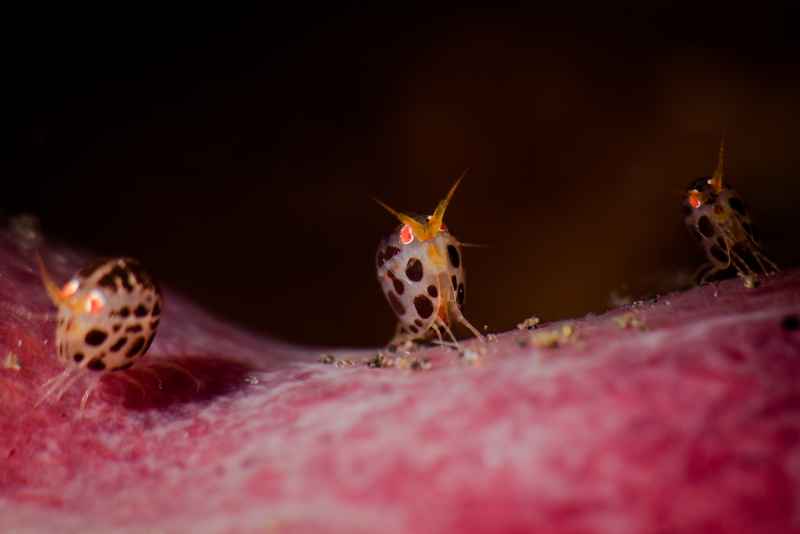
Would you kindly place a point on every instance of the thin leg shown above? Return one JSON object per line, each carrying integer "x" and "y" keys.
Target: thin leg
{"x": 696, "y": 276}
{"x": 89, "y": 390}
{"x": 759, "y": 256}
{"x": 449, "y": 332}
{"x": 463, "y": 320}
{"x": 714, "y": 266}
{"x": 177, "y": 367}
{"x": 401, "y": 338}
{"x": 736, "y": 258}
{"x": 455, "y": 311}
{"x": 68, "y": 385}
{"x": 435, "y": 327}
{"x": 59, "y": 384}
{"x": 152, "y": 373}
{"x": 125, "y": 377}
{"x": 52, "y": 384}
{"x": 714, "y": 270}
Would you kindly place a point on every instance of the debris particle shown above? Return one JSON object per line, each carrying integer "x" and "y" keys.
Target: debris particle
{"x": 470, "y": 356}
{"x": 251, "y": 380}
{"x": 630, "y": 320}
{"x": 547, "y": 339}
{"x": 420, "y": 365}
{"x": 750, "y": 281}
{"x": 406, "y": 346}
{"x": 327, "y": 359}
{"x": 528, "y": 324}
{"x": 410, "y": 363}
{"x": 491, "y": 337}
{"x": 379, "y": 361}
{"x": 12, "y": 362}
{"x": 553, "y": 338}
{"x": 791, "y": 322}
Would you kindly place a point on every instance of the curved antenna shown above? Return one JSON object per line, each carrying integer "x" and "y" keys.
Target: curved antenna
{"x": 417, "y": 227}
{"x": 716, "y": 180}
{"x": 53, "y": 290}
{"x": 435, "y": 222}
{"x": 426, "y": 231}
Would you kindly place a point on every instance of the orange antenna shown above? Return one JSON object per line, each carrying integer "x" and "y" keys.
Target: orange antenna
{"x": 426, "y": 231}
{"x": 417, "y": 227}
{"x": 716, "y": 180}
{"x": 52, "y": 289}
{"x": 435, "y": 222}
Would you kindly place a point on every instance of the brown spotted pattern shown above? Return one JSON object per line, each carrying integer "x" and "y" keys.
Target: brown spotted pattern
{"x": 421, "y": 288}
{"x": 113, "y": 337}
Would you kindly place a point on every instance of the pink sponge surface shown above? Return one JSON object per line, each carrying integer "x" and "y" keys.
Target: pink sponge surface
{"x": 677, "y": 414}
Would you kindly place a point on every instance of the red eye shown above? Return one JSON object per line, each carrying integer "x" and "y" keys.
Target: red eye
{"x": 695, "y": 199}
{"x": 406, "y": 235}
{"x": 95, "y": 302}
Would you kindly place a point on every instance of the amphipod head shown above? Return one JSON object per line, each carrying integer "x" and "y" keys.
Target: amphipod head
{"x": 71, "y": 296}
{"x": 705, "y": 190}
{"x": 427, "y": 229}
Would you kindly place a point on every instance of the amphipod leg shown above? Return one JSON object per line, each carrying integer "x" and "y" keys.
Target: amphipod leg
{"x": 700, "y": 270}
{"x": 454, "y": 311}
{"x": 716, "y": 264}
{"x": 440, "y": 324}
{"x": 61, "y": 382}
{"x": 400, "y": 337}
{"x": 714, "y": 270}
{"x": 181, "y": 369}
{"x": 739, "y": 262}
{"x": 463, "y": 320}
{"x": 154, "y": 374}
{"x": 124, "y": 376}
{"x": 759, "y": 256}
{"x": 89, "y": 390}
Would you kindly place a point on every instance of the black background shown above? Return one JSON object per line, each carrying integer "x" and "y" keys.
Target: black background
{"x": 235, "y": 153}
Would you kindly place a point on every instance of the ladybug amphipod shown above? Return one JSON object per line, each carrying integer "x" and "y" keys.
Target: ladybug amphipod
{"x": 717, "y": 216}
{"x": 421, "y": 271}
{"x": 108, "y": 315}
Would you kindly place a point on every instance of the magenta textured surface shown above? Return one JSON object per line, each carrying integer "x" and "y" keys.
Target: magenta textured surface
{"x": 680, "y": 414}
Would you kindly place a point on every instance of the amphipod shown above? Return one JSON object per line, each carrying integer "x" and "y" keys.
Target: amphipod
{"x": 718, "y": 217}
{"x": 420, "y": 268}
{"x": 108, "y": 315}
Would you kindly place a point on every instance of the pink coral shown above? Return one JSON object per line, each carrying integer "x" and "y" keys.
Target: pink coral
{"x": 679, "y": 414}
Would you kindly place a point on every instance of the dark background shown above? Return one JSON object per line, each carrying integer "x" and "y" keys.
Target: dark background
{"x": 235, "y": 153}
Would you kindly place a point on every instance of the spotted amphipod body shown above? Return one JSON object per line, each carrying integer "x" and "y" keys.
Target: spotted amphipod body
{"x": 421, "y": 271}
{"x": 718, "y": 217}
{"x": 108, "y": 315}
